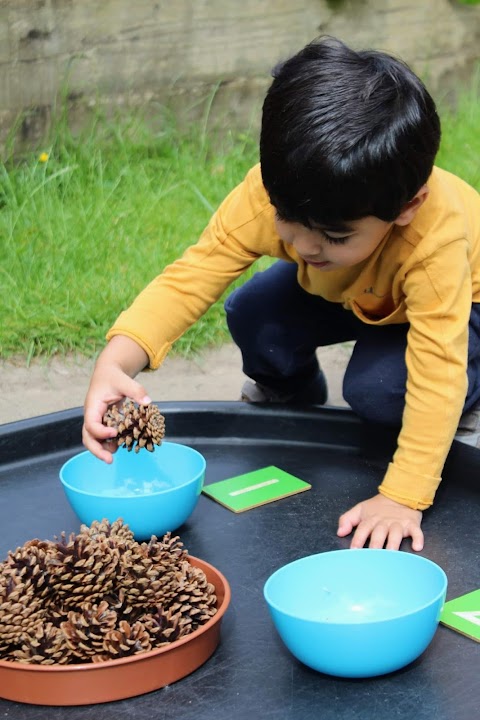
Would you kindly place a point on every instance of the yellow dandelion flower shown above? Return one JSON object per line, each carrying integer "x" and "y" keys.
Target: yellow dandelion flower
{"x": 43, "y": 157}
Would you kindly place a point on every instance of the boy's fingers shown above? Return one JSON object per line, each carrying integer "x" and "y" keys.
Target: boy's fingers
{"x": 395, "y": 537}
{"x": 378, "y": 535}
{"x": 96, "y": 448}
{"x": 345, "y": 527}
{"x": 96, "y": 430}
{"x": 98, "y": 438}
{"x": 417, "y": 539}
{"x": 362, "y": 533}
{"x": 110, "y": 446}
{"x": 99, "y": 430}
{"x": 348, "y": 521}
{"x": 136, "y": 392}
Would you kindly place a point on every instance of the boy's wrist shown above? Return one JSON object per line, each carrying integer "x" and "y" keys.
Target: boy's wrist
{"x": 124, "y": 354}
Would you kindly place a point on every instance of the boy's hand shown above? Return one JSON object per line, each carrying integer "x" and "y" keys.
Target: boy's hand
{"x": 111, "y": 382}
{"x": 384, "y": 521}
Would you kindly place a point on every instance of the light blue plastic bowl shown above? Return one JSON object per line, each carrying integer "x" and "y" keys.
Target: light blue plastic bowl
{"x": 357, "y": 613}
{"x": 153, "y": 492}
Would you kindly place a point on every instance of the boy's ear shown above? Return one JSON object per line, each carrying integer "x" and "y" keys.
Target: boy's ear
{"x": 410, "y": 208}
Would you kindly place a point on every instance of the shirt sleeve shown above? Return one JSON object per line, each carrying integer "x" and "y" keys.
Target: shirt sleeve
{"x": 237, "y": 235}
{"x": 438, "y": 296}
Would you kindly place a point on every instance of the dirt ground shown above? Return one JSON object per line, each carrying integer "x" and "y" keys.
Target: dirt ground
{"x": 46, "y": 387}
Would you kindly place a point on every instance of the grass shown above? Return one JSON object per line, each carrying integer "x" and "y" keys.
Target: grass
{"x": 84, "y": 230}
{"x": 460, "y": 148}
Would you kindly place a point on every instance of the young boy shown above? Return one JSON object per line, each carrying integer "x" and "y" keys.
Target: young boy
{"x": 374, "y": 245}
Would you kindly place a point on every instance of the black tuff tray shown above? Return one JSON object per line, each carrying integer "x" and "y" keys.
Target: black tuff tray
{"x": 251, "y": 675}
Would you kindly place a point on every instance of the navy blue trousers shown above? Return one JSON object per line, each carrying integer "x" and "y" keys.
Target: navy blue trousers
{"x": 278, "y": 327}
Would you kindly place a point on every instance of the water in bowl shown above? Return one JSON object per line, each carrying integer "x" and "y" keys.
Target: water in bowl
{"x": 134, "y": 487}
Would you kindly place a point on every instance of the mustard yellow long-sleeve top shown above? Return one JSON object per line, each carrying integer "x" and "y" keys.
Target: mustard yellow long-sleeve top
{"x": 426, "y": 274}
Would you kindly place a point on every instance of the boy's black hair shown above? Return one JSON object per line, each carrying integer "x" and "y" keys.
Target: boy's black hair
{"x": 345, "y": 135}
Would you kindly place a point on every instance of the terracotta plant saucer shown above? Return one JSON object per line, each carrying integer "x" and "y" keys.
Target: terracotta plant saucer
{"x": 91, "y": 683}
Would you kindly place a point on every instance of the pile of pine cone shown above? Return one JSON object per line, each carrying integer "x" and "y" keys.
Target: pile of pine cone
{"x": 98, "y": 595}
{"x": 138, "y": 426}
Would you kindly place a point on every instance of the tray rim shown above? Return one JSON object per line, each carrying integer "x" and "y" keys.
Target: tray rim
{"x": 62, "y": 430}
{"x": 314, "y": 425}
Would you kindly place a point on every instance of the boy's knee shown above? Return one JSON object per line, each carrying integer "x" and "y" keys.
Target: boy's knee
{"x": 374, "y": 399}
{"x": 244, "y": 319}
{"x": 238, "y": 311}
{"x": 235, "y": 300}
{"x": 248, "y": 303}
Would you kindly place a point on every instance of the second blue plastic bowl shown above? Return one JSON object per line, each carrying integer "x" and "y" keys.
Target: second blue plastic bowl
{"x": 357, "y": 613}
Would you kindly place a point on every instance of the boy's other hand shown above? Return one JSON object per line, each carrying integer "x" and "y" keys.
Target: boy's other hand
{"x": 384, "y": 521}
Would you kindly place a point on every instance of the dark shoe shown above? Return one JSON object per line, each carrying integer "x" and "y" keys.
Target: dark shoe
{"x": 315, "y": 393}
{"x": 468, "y": 431}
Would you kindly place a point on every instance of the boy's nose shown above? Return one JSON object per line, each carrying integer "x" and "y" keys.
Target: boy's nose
{"x": 306, "y": 245}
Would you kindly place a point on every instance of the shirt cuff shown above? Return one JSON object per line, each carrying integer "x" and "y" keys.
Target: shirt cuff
{"x": 408, "y": 488}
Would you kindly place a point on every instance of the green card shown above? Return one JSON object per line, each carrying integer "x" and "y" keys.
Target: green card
{"x": 463, "y": 615}
{"x": 244, "y": 492}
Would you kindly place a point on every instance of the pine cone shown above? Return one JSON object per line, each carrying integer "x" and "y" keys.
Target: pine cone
{"x": 85, "y": 631}
{"x": 164, "y": 626}
{"x": 44, "y": 645}
{"x": 167, "y": 551}
{"x": 20, "y": 609}
{"x": 117, "y": 530}
{"x": 138, "y": 426}
{"x": 142, "y": 582}
{"x": 127, "y": 640}
{"x": 151, "y": 574}
{"x": 195, "y": 601}
{"x": 117, "y": 534}
{"x": 82, "y": 568}
{"x": 29, "y": 564}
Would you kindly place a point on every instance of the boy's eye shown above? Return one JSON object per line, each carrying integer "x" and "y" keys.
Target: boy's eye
{"x": 335, "y": 240}
{"x": 332, "y": 239}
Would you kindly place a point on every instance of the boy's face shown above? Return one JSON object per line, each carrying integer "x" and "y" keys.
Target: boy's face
{"x": 337, "y": 247}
